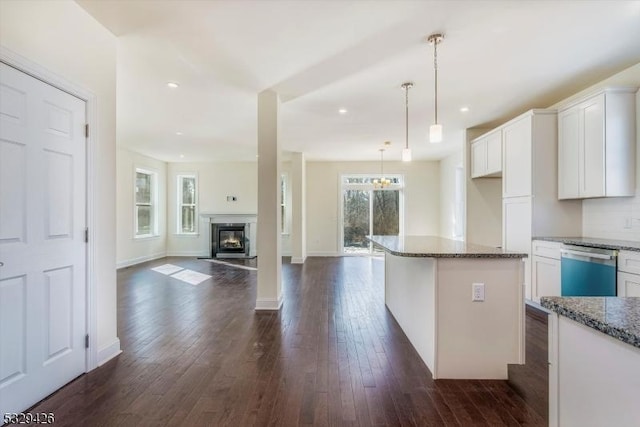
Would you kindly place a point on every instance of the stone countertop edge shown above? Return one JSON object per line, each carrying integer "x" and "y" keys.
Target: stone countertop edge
{"x": 626, "y": 245}
{"x": 468, "y": 251}
{"x": 556, "y": 305}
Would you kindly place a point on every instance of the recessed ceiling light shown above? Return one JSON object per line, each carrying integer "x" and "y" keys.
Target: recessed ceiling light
{"x": 173, "y": 85}
{"x": 182, "y": 156}
{"x": 178, "y": 133}
{"x": 464, "y": 109}
{"x": 343, "y": 111}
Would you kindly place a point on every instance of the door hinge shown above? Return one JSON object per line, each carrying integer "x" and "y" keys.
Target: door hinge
{"x": 86, "y": 341}
{"x": 86, "y": 235}
{"x": 86, "y": 130}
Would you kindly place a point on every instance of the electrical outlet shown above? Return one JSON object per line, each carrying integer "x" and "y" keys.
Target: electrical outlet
{"x": 477, "y": 292}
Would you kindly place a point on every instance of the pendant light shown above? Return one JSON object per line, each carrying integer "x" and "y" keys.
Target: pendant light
{"x": 406, "y": 152}
{"x": 382, "y": 182}
{"x": 435, "y": 130}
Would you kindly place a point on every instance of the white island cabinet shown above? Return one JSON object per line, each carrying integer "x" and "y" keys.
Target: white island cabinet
{"x": 430, "y": 287}
{"x": 594, "y": 361}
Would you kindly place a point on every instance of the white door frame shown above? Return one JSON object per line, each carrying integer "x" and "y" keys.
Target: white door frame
{"x": 47, "y": 76}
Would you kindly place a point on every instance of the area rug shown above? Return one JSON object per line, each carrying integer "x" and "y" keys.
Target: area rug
{"x": 229, "y": 264}
{"x": 167, "y": 269}
{"x": 191, "y": 277}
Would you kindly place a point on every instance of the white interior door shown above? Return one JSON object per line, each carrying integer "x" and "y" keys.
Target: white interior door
{"x": 42, "y": 246}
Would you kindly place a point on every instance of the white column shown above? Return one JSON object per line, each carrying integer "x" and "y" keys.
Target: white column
{"x": 269, "y": 292}
{"x": 298, "y": 220}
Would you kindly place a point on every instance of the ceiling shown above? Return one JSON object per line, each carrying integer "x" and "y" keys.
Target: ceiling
{"x": 499, "y": 58}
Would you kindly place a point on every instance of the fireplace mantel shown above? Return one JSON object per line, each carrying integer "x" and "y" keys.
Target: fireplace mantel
{"x": 224, "y": 218}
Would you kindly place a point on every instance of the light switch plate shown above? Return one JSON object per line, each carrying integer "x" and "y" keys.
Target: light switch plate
{"x": 477, "y": 292}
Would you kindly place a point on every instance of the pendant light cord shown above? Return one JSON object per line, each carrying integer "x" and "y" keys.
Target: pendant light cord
{"x": 435, "y": 67}
{"x": 406, "y": 116}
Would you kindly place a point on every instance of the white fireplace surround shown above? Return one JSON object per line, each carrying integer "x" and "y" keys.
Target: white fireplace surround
{"x": 229, "y": 218}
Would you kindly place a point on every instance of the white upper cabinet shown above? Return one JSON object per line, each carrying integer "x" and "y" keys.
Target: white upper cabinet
{"x": 486, "y": 155}
{"x": 596, "y": 146}
{"x": 517, "y": 158}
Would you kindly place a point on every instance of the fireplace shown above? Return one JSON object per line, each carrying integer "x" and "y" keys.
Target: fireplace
{"x": 229, "y": 240}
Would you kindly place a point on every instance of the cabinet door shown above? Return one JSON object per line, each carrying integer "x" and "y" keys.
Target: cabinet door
{"x": 592, "y": 157}
{"x": 516, "y": 166}
{"x": 628, "y": 285}
{"x": 494, "y": 152}
{"x": 545, "y": 277}
{"x": 478, "y": 158}
{"x": 516, "y": 232}
{"x": 569, "y": 154}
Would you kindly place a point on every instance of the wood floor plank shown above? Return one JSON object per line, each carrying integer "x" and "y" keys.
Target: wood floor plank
{"x": 333, "y": 356}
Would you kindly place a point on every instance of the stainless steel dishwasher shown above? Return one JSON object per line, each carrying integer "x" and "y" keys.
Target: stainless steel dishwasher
{"x": 587, "y": 271}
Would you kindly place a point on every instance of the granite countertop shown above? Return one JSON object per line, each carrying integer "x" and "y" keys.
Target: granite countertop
{"x": 617, "y": 317}
{"x": 627, "y": 245}
{"x": 438, "y": 247}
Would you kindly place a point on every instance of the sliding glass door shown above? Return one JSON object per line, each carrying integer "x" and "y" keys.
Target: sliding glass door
{"x": 368, "y": 211}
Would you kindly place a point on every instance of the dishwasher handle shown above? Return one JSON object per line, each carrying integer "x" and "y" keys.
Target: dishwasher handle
{"x": 586, "y": 254}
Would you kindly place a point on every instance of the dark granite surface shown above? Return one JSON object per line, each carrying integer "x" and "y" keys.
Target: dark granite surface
{"x": 628, "y": 245}
{"x": 438, "y": 247}
{"x": 615, "y": 316}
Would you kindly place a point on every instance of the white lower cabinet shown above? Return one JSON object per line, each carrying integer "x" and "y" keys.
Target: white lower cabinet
{"x": 545, "y": 270}
{"x": 628, "y": 274}
{"x": 516, "y": 232}
{"x": 628, "y": 284}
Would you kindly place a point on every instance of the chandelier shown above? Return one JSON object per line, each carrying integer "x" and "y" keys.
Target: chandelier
{"x": 435, "y": 131}
{"x": 382, "y": 182}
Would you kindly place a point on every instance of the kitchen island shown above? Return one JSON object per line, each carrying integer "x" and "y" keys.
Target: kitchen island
{"x": 594, "y": 361}
{"x": 429, "y": 283}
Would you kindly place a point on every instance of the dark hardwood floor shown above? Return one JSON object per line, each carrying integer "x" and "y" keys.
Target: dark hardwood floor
{"x": 201, "y": 355}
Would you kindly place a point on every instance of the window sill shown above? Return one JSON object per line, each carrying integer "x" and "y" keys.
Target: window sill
{"x": 194, "y": 235}
{"x": 147, "y": 237}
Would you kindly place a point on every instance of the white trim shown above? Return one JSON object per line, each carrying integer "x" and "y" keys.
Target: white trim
{"x": 139, "y": 260}
{"x": 39, "y": 72}
{"x": 109, "y": 352}
{"x": 298, "y": 260}
{"x": 269, "y": 304}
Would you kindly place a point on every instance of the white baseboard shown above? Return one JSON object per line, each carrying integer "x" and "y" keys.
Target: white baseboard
{"x": 139, "y": 260}
{"x": 298, "y": 260}
{"x": 189, "y": 253}
{"x": 270, "y": 304}
{"x": 109, "y": 352}
{"x": 323, "y": 254}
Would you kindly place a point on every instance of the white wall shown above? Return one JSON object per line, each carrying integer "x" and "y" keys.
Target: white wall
{"x": 606, "y": 218}
{"x": 131, "y": 250}
{"x": 62, "y": 37}
{"x": 421, "y": 198}
{"x": 448, "y": 167}
{"x": 216, "y": 181}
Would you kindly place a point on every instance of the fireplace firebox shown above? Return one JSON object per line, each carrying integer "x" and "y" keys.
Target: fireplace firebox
{"x": 229, "y": 240}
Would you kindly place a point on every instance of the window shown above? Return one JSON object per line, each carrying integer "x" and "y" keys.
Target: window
{"x": 367, "y": 210}
{"x": 284, "y": 205}
{"x": 187, "y": 204}
{"x": 145, "y": 203}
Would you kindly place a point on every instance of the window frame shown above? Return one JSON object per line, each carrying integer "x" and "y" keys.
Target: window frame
{"x": 180, "y": 204}
{"x": 400, "y": 186}
{"x": 285, "y": 204}
{"x": 153, "y": 203}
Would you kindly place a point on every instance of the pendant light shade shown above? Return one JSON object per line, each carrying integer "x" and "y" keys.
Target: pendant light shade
{"x": 435, "y": 131}
{"x": 406, "y": 152}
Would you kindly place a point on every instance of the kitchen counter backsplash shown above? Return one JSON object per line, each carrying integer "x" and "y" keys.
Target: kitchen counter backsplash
{"x": 628, "y": 245}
